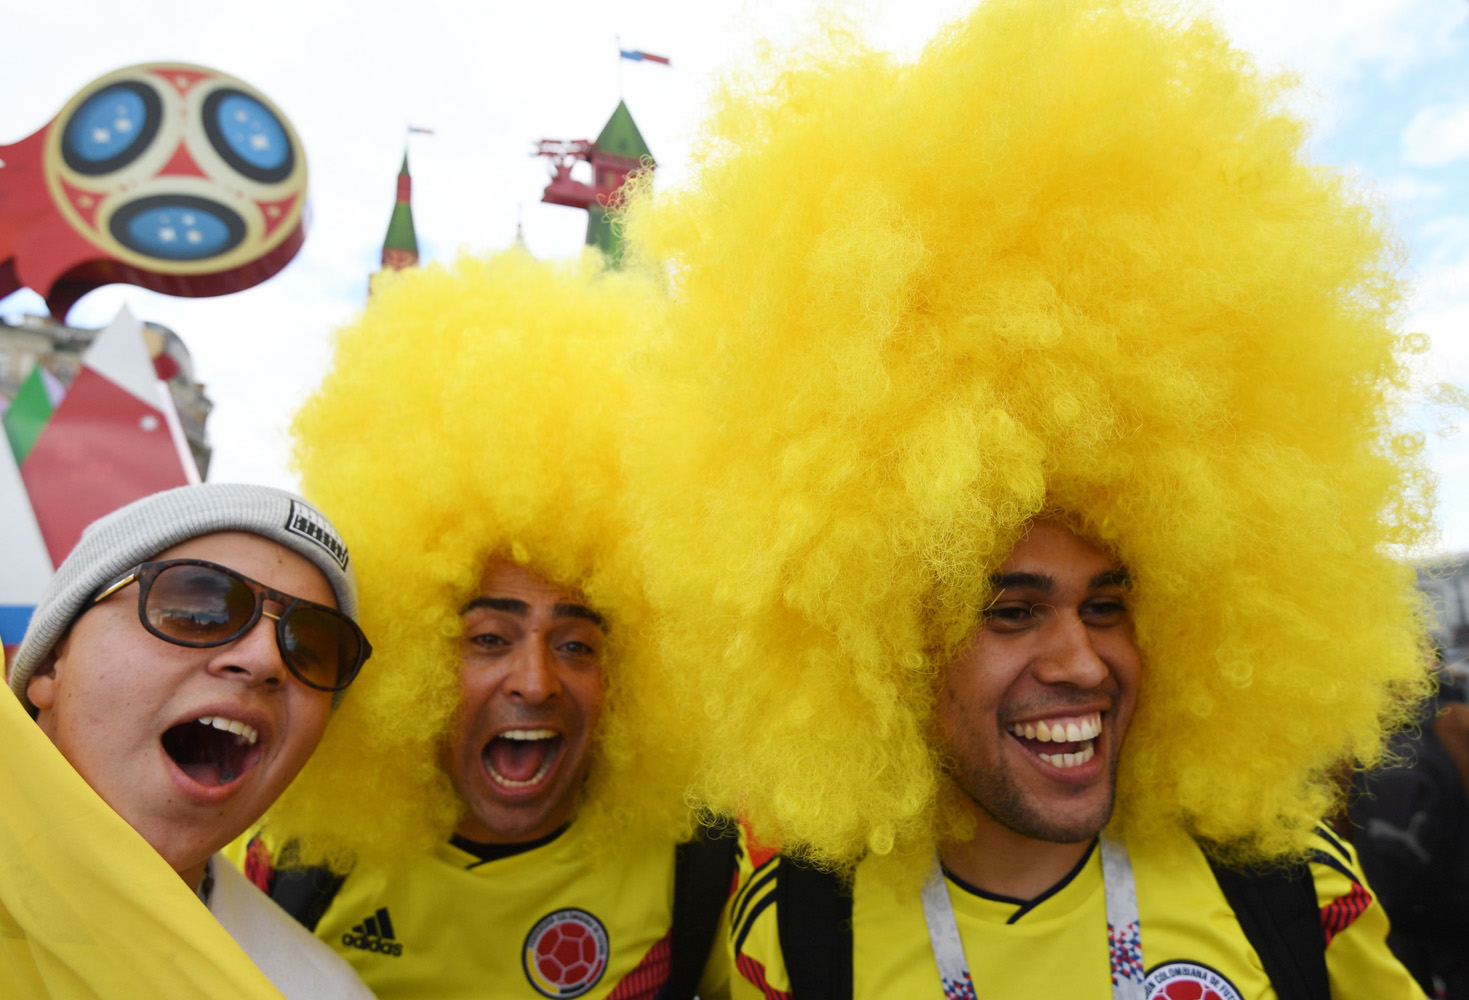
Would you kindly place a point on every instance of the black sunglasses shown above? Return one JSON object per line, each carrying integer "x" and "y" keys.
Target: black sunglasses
{"x": 194, "y": 603}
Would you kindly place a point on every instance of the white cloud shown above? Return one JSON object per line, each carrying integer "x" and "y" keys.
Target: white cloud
{"x": 1437, "y": 136}
{"x": 1443, "y": 242}
{"x": 1445, "y": 318}
{"x": 1330, "y": 44}
{"x": 1405, "y": 189}
{"x": 1450, "y": 458}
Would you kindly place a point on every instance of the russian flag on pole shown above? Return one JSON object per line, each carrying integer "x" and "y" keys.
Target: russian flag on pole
{"x": 114, "y": 439}
{"x": 637, "y": 55}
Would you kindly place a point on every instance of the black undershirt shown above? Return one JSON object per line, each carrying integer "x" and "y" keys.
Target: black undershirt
{"x": 496, "y": 852}
{"x": 1025, "y": 905}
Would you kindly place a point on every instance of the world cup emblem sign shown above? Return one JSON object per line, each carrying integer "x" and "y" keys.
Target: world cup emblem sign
{"x": 565, "y": 953}
{"x": 171, "y": 176}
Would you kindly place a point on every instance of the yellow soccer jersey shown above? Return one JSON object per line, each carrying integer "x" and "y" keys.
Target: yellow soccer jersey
{"x": 562, "y": 919}
{"x": 1057, "y": 944}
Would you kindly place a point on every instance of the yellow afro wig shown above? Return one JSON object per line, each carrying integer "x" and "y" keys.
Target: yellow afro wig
{"x": 472, "y": 412}
{"x": 1072, "y": 260}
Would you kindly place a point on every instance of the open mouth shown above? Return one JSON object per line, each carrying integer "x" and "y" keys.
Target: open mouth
{"x": 522, "y": 758}
{"x": 1062, "y": 743}
{"x": 213, "y": 750}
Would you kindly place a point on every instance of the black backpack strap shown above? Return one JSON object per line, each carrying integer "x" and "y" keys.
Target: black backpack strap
{"x": 1278, "y": 911}
{"x": 304, "y": 893}
{"x": 814, "y": 909}
{"x": 703, "y": 873}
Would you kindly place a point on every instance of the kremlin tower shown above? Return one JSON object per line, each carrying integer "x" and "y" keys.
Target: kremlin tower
{"x": 617, "y": 152}
{"x": 400, "y": 248}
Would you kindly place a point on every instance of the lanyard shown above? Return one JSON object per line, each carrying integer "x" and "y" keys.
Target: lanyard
{"x": 1124, "y": 929}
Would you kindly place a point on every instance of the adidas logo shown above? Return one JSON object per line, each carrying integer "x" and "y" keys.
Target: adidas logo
{"x": 374, "y": 934}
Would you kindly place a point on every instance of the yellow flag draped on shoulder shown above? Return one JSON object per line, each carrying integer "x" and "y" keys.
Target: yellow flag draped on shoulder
{"x": 87, "y": 908}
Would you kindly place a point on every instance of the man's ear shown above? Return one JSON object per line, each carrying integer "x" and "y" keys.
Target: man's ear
{"x": 41, "y": 688}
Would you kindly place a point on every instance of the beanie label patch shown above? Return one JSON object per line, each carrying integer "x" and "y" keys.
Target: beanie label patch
{"x": 308, "y": 523}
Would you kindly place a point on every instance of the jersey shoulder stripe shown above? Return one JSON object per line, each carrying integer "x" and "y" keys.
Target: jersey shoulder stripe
{"x": 1331, "y": 861}
{"x": 742, "y": 931}
{"x": 754, "y": 973}
{"x": 647, "y": 979}
{"x": 1343, "y": 911}
{"x": 1341, "y": 892}
{"x": 1334, "y": 854}
{"x": 1330, "y": 853}
{"x": 1331, "y": 839}
{"x": 759, "y": 881}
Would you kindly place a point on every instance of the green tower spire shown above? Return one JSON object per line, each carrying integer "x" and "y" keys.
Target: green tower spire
{"x": 619, "y": 149}
{"x": 400, "y": 249}
{"x": 620, "y": 136}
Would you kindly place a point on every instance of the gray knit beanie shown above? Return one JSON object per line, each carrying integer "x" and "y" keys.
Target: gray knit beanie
{"x": 113, "y": 544}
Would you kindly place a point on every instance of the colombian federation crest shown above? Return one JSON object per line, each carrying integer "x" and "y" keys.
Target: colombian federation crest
{"x": 1188, "y": 981}
{"x": 565, "y": 953}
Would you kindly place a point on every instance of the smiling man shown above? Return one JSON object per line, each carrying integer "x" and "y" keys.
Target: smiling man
{"x": 1032, "y": 718}
{"x": 1034, "y": 710}
{"x": 504, "y": 808}
{"x": 185, "y": 660}
{"x": 1021, "y": 490}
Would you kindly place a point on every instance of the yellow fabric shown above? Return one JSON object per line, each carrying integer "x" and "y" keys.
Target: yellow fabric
{"x": 1074, "y": 258}
{"x": 87, "y": 908}
{"x": 459, "y": 925}
{"x": 1059, "y": 947}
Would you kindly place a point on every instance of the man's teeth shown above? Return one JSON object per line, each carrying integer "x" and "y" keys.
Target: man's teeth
{"x": 1060, "y": 732}
{"x": 1082, "y": 731}
{"x": 541, "y": 772}
{"x": 245, "y": 734}
{"x": 526, "y": 736}
{"x": 1068, "y": 759}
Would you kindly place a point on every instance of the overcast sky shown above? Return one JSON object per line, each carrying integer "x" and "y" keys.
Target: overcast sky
{"x": 1385, "y": 79}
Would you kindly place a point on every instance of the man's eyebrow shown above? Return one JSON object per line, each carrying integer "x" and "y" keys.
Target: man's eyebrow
{"x": 578, "y": 611}
{"x": 520, "y": 609}
{"x": 510, "y": 604}
{"x": 1029, "y": 581}
{"x": 1112, "y": 578}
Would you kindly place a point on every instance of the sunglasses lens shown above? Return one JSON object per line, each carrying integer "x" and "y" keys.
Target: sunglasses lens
{"x": 320, "y": 647}
{"x": 196, "y": 604}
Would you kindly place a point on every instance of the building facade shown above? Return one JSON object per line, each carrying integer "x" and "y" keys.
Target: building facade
{"x": 58, "y": 349}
